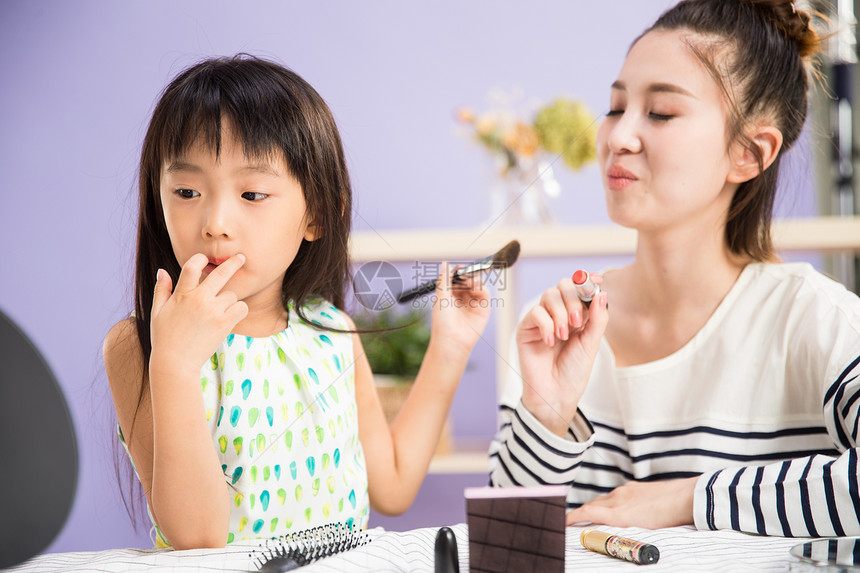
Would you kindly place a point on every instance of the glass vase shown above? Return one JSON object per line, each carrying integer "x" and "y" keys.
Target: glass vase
{"x": 520, "y": 194}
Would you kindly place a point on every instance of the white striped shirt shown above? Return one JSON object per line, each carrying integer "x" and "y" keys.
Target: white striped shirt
{"x": 762, "y": 403}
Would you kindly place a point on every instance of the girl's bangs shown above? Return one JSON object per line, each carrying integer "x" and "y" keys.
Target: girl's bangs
{"x": 201, "y": 113}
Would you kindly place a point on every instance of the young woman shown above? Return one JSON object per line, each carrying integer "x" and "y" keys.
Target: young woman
{"x": 721, "y": 388}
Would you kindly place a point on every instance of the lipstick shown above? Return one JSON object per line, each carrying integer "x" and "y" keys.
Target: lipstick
{"x": 586, "y": 289}
{"x": 619, "y": 547}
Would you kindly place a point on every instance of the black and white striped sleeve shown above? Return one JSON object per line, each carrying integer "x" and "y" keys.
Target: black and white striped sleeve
{"x": 524, "y": 452}
{"x": 816, "y": 496}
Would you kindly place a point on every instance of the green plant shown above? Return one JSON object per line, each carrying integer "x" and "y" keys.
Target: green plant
{"x": 399, "y": 345}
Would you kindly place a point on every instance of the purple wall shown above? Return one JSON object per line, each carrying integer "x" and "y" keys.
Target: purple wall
{"x": 80, "y": 78}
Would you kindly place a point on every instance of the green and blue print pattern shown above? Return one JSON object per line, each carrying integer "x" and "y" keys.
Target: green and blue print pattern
{"x": 283, "y": 418}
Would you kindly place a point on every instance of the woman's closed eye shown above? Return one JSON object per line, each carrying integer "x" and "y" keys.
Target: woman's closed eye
{"x": 253, "y": 196}
{"x": 652, "y": 115}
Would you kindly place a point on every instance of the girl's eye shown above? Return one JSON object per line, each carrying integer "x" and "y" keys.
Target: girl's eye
{"x": 614, "y": 112}
{"x": 253, "y": 196}
{"x": 187, "y": 193}
{"x": 660, "y": 116}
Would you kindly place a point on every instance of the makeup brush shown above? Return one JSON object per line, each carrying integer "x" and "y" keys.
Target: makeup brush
{"x": 503, "y": 258}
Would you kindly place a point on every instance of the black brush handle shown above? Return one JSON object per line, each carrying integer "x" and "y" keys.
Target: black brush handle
{"x": 425, "y": 288}
{"x": 279, "y": 565}
{"x": 457, "y": 277}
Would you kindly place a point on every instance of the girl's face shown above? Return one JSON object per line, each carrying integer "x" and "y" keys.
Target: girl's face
{"x": 235, "y": 204}
{"x": 662, "y": 148}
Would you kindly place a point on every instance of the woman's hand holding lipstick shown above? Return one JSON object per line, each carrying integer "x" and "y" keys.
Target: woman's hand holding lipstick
{"x": 190, "y": 321}
{"x": 557, "y": 342}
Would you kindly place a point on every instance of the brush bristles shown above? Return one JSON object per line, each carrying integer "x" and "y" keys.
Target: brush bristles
{"x": 507, "y": 255}
{"x": 309, "y": 545}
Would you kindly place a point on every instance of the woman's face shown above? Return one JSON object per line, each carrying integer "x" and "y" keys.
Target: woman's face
{"x": 662, "y": 148}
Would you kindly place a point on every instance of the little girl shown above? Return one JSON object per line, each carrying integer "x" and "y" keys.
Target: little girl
{"x": 244, "y": 401}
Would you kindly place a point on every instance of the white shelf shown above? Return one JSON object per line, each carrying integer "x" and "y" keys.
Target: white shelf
{"x": 460, "y": 463}
{"x": 827, "y": 234}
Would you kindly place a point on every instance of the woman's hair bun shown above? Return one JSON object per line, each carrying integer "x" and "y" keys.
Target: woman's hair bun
{"x": 793, "y": 22}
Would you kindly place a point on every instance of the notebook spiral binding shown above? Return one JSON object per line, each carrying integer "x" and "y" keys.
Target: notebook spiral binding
{"x": 309, "y": 545}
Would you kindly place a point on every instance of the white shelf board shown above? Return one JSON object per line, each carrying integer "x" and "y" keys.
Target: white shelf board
{"x": 460, "y": 463}
{"x": 827, "y": 234}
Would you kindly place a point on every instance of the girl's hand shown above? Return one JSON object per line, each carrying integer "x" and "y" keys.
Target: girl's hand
{"x": 190, "y": 322}
{"x": 399, "y": 454}
{"x": 652, "y": 505}
{"x": 557, "y": 342}
{"x": 460, "y": 311}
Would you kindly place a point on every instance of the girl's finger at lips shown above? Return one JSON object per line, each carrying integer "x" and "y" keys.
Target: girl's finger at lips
{"x": 189, "y": 275}
{"x": 224, "y": 272}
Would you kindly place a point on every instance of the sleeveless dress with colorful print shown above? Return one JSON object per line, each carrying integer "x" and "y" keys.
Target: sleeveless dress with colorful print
{"x": 283, "y": 418}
